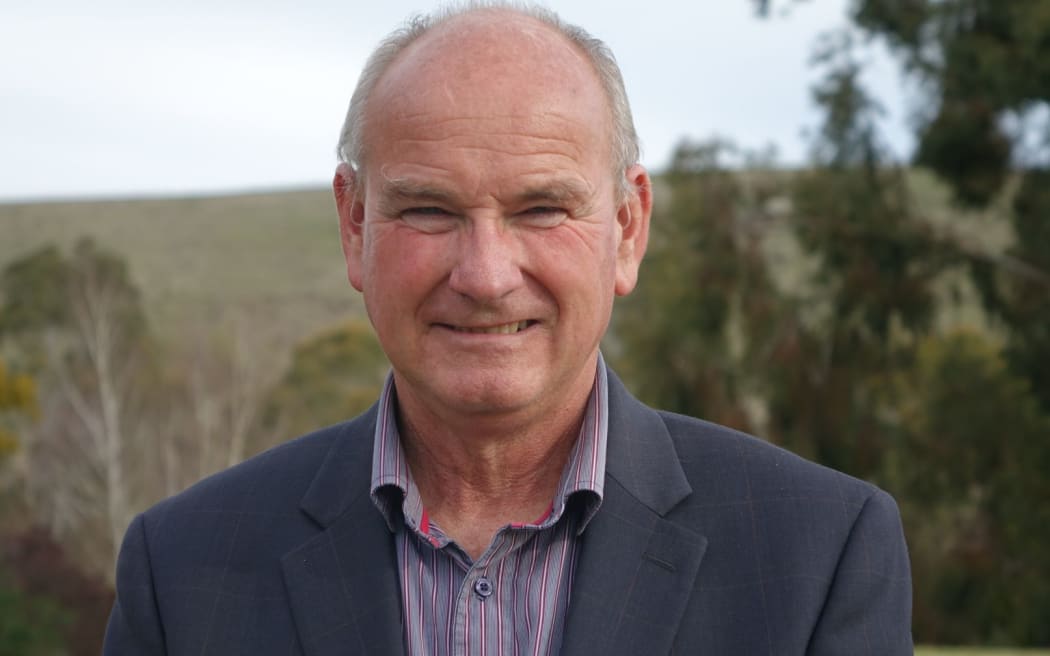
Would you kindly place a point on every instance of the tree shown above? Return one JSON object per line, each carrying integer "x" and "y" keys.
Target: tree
{"x": 961, "y": 423}
{"x": 29, "y": 624}
{"x": 972, "y": 466}
{"x": 33, "y": 289}
{"x": 705, "y": 304}
{"x": 96, "y": 361}
{"x": 876, "y": 267}
{"x": 986, "y": 66}
{"x": 333, "y": 377}
{"x": 56, "y": 608}
{"x": 219, "y": 389}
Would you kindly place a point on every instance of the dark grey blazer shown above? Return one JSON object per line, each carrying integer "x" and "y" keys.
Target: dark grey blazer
{"x": 707, "y": 542}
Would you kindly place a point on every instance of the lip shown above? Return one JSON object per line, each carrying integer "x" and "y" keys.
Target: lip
{"x": 504, "y": 329}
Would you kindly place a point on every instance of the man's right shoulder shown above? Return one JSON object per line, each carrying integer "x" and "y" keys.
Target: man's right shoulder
{"x": 276, "y": 479}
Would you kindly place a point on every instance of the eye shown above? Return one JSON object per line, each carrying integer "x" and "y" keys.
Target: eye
{"x": 543, "y": 216}
{"x": 429, "y": 219}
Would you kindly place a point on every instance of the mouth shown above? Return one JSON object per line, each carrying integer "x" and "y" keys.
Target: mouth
{"x": 500, "y": 329}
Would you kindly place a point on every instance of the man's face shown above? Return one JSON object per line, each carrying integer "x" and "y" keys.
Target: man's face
{"x": 486, "y": 232}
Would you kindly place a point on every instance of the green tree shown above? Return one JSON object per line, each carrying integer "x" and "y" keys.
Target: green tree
{"x": 972, "y": 477}
{"x": 46, "y": 294}
{"x": 871, "y": 290}
{"x": 33, "y": 289}
{"x": 985, "y": 69}
{"x": 705, "y": 304}
{"x": 54, "y": 607}
{"x": 82, "y": 328}
{"x": 986, "y": 66}
{"x": 333, "y": 377}
{"x": 29, "y": 625}
{"x": 954, "y": 426}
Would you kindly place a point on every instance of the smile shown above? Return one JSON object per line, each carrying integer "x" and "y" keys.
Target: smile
{"x": 502, "y": 329}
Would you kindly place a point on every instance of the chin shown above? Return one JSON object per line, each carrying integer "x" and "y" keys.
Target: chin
{"x": 494, "y": 397}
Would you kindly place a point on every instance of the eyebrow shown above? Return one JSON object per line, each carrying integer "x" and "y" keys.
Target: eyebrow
{"x": 558, "y": 191}
{"x": 406, "y": 190}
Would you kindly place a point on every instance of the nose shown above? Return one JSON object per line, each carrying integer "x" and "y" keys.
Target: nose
{"x": 487, "y": 266}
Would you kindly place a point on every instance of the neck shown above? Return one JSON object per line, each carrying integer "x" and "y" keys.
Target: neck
{"x": 480, "y": 473}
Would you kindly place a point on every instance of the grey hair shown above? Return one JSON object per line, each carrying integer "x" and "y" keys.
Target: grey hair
{"x": 624, "y": 138}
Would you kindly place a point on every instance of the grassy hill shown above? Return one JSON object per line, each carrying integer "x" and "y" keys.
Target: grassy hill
{"x": 270, "y": 262}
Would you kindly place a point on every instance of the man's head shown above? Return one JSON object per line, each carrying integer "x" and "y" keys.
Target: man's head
{"x": 488, "y": 229}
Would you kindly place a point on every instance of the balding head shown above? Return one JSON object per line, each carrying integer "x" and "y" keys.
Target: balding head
{"x": 503, "y": 39}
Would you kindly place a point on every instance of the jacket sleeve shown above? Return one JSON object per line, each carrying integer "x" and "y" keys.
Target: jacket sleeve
{"x": 134, "y": 623}
{"x": 868, "y": 606}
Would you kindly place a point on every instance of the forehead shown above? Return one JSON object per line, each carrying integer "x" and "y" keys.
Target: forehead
{"x": 491, "y": 74}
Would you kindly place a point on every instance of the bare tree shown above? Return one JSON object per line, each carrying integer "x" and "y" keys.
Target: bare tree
{"x": 94, "y": 401}
{"x": 226, "y": 379}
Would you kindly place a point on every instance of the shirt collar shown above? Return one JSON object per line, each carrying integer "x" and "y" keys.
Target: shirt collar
{"x": 394, "y": 491}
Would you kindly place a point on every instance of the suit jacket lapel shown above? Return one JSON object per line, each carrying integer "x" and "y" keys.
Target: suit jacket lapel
{"x": 636, "y": 570}
{"x": 343, "y": 583}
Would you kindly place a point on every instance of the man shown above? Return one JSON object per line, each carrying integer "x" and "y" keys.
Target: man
{"x": 506, "y": 495}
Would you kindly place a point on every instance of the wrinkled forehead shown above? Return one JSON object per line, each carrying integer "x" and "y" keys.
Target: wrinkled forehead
{"x": 491, "y": 64}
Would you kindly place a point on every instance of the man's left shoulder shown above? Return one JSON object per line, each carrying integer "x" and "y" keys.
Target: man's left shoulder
{"x": 728, "y": 465}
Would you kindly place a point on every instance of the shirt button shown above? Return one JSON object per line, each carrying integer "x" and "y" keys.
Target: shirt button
{"x": 483, "y": 587}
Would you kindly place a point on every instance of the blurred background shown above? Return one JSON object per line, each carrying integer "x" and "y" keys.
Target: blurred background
{"x": 850, "y": 258}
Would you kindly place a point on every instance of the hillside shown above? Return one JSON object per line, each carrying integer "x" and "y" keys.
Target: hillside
{"x": 270, "y": 262}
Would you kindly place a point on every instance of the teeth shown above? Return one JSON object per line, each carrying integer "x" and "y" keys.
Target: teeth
{"x": 503, "y": 329}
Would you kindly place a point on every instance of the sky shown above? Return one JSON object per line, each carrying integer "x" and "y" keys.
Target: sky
{"x": 116, "y": 98}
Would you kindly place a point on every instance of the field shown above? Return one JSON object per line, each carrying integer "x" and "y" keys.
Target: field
{"x": 977, "y": 651}
{"x": 270, "y": 262}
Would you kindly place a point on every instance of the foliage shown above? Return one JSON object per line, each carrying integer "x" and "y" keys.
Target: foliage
{"x": 974, "y": 459}
{"x": 843, "y": 358}
{"x": 982, "y": 61}
{"x": 82, "y": 329}
{"x": 961, "y": 422}
{"x": 17, "y": 396}
{"x": 217, "y": 381}
{"x": 29, "y": 626}
{"x": 33, "y": 292}
{"x": 333, "y": 377}
{"x": 876, "y": 265}
{"x": 704, "y": 301}
{"x": 54, "y": 603}
{"x": 44, "y": 290}
{"x": 987, "y": 68}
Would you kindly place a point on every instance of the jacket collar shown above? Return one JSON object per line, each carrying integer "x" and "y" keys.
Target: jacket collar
{"x": 636, "y": 569}
{"x": 343, "y": 582}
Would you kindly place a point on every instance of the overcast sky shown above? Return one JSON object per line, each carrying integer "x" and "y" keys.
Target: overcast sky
{"x": 110, "y": 98}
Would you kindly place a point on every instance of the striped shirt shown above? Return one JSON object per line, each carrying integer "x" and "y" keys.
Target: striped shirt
{"x": 512, "y": 600}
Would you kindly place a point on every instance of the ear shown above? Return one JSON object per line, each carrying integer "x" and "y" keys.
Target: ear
{"x": 633, "y": 219}
{"x": 349, "y": 203}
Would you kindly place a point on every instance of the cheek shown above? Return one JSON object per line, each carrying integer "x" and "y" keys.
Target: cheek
{"x": 587, "y": 253}
{"x": 400, "y": 265}
{"x": 578, "y": 271}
